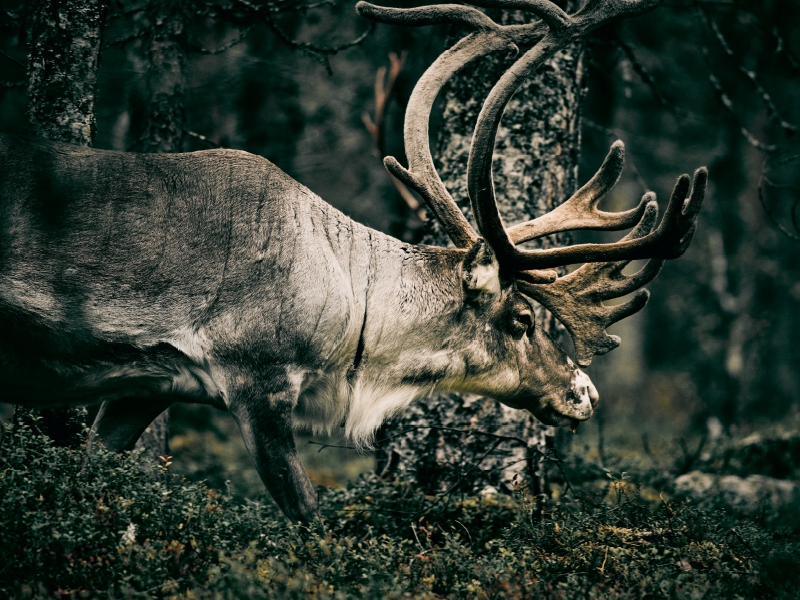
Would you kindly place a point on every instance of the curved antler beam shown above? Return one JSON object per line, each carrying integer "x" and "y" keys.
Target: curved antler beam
{"x": 479, "y": 170}
{"x": 487, "y": 36}
{"x": 580, "y": 212}
{"x": 421, "y": 174}
{"x": 551, "y": 14}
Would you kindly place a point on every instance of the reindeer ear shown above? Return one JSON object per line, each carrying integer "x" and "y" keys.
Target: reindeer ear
{"x": 480, "y": 271}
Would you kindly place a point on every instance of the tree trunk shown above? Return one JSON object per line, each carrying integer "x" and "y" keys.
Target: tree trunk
{"x": 535, "y": 169}
{"x": 64, "y": 42}
{"x": 64, "y": 51}
{"x": 165, "y": 126}
{"x": 166, "y": 62}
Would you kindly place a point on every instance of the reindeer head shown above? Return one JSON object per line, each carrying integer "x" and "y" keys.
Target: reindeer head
{"x": 497, "y": 349}
{"x": 498, "y": 275}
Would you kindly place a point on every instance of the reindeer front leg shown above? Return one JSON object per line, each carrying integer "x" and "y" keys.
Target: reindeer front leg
{"x": 265, "y": 419}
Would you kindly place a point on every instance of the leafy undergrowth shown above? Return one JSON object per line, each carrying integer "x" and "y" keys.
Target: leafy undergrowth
{"x": 78, "y": 524}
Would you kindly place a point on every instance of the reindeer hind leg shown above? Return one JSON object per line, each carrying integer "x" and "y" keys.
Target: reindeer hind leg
{"x": 120, "y": 423}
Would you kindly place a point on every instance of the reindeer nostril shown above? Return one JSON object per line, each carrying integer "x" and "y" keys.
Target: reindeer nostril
{"x": 594, "y": 397}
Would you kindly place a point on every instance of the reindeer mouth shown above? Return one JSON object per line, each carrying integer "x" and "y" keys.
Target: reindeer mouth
{"x": 556, "y": 418}
{"x": 562, "y": 408}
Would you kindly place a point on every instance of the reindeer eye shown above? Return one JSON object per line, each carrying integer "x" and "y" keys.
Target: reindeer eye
{"x": 522, "y": 323}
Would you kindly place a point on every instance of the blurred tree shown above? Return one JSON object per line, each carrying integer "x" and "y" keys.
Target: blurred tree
{"x": 64, "y": 53}
{"x": 166, "y": 43}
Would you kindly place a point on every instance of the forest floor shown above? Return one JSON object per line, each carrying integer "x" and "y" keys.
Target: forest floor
{"x": 695, "y": 518}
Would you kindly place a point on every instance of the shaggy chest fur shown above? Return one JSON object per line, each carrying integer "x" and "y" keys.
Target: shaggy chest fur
{"x": 333, "y": 404}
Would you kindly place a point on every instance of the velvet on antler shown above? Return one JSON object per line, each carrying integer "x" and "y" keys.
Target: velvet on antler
{"x": 576, "y": 299}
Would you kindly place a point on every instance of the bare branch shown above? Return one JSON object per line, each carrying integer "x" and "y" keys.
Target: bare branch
{"x": 650, "y": 81}
{"x": 127, "y": 39}
{"x": 252, "y": 15}
{"x": 781, "y": 47}
{"x": 763, "y": 181}
{"x": 384, "y": 86}
{"x": 385, "y": 80}
{"x": 237, "y": 40}
{"x": 320, "y": 53}
{"x": 727, "y": 104}
{"x": 11, "y": 58}
{"x": 202, "y": 138}
{"x": 772, "y": 110}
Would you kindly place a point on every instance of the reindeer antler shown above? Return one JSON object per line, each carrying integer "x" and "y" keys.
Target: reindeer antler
{"x": 575, "y": 299}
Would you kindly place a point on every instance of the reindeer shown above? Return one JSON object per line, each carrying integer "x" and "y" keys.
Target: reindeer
{"x": 138, "y": 280}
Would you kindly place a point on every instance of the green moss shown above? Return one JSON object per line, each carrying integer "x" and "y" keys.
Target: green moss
{"x": 80, "y": 524}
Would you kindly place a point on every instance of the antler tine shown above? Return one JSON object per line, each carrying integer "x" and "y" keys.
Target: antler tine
{"x": 421, "y": 174}
{"x": 577, "y": 298}
{"x": 486, "y": 37}
{"x": 580, "y": 211}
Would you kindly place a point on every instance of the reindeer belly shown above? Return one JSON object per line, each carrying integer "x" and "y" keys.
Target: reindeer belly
{"x": 40, "y": 367}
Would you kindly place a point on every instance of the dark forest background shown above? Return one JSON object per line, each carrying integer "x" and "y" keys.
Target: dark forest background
{"x": 693, "y": 83}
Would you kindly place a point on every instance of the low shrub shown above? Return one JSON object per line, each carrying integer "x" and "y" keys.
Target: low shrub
{"x": 77, "y": 523}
